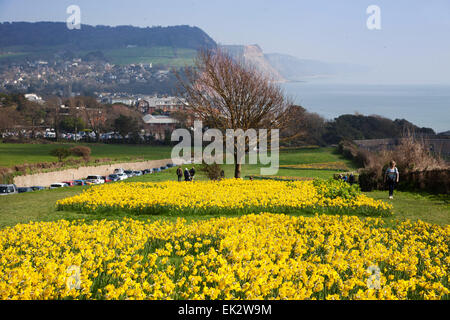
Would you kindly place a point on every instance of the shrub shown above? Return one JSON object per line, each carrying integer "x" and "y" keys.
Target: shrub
{"x": 60, "y": 153}
{"x": 416, "y": 165}
{"x": 212, "y": 171}
{"x": 81, "y": 151}
{"x": 332, "y": 189}
{"x": 370, "y": 179}
{"x": 435, "y": 181}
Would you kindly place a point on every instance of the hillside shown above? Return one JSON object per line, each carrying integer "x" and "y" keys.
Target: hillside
{"x": 41, "y": 34}
{"x": 295, "y": 69}
{"x": 283, "y": 67}
{"x": 120, "y": 45}
{"x": 253, "y": 55}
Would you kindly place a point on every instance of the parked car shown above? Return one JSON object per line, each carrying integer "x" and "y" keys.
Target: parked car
{"x": 122, "y": 176}
{"x": 114, "y": 177}
{"x": 129, "y": 173}
{"x": 156, "y": 170}
{"x": 170, "y": 165}
{"x": 119, "y": 170}
{"x": 164, "y": 168}
{"x": 79, "y": 182}
{"x": 95, "y": 179}
{"x": 147, "y": 171}
{"x": 70, "y": 183}
{"x": 137, "y": 173}
{"x": 106, "y": 179}
{"x": 37, "y": 188}
{"x": 58, "y": 185}
{"x": 6, "y": 189}
{"x": 24, "y": 189}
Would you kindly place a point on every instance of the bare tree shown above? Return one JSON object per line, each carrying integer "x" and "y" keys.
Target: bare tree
{"x": 229, "y": 94}
{"x": 53, "y": 106}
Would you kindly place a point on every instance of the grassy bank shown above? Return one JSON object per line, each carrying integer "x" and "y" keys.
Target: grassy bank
{"x": 15, "y": 154}
{"x": 40, "y": 206}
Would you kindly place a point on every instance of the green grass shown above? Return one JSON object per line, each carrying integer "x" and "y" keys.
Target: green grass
{"x": 40, "y": 206}
{"x": 414, "y": 206}
{"x": 13, "y": 154}
{"x": 176, "y": 57}
{"x": 166, "y": 56}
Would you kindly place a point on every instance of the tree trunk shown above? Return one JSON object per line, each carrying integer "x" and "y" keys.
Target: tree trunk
{"x": 237, "y": 170}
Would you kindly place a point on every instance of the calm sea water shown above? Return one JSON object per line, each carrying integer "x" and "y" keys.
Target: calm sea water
{"x": 423, "y": 105}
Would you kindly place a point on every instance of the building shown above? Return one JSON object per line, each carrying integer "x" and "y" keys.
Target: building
{"x": 34, "y": 98}
{"x": 158, "y": 126}
{"x": 126, "y": 101}
{"x": 166, "y": 104}
{"x": 143, "y": 106}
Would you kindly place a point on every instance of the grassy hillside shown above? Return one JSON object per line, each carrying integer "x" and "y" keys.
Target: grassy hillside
{"x": 40, "y": 206}
{"x": 13, "y": 154}
{"x": 158, "y": 55}
{"x": 176, "y": 57}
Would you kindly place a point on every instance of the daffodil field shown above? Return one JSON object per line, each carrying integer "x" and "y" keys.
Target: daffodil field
{"x": 256, "y": 256}
{"x": 228, "y": 196}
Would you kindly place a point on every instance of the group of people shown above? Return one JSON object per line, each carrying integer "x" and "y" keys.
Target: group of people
{"x": 391, "y": 176}
{"x": 347, "y": 178}
{"x": 188, "y": 174}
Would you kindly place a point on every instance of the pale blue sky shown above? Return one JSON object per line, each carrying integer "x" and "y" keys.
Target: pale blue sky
{"x": 412, "y": 47}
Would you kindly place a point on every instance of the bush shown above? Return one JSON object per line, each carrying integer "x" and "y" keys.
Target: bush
{"x": 60, "y": 153}
{"x": 212, "y": 171}
{"x": 333, "y": 189}
{"x": 435, "y": 181}
{"x": 81, "y": 151}
{"x": 418, "y": 168}
{"x": 370, "y": 179}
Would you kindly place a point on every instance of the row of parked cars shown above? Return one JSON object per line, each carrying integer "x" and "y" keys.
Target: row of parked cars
{"x": 118, "y": 175}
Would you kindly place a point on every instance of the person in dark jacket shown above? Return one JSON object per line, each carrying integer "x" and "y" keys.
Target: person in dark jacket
{"x": 192, "y": 173}
{"x": 187, "y": 176}
{"x": 180, "y": 174}
{"x": 351, "y": 179}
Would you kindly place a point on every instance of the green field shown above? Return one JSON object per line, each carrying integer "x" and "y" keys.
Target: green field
{"x": 175, "y": 57}
{"x": 14, "y": 154}
{"x": 40, "y": 206}
{"x": 164, "y": 56}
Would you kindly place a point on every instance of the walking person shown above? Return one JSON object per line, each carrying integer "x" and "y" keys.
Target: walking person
{"x": 391, "y": 177}
{"x": 180, "y": 174}
{"x": 192, "y": 173}
{"x": 187, "y": 176}
{"x": 351, "y": 179}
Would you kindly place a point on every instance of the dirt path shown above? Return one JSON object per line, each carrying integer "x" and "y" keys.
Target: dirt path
{"x": 47, "y": 178}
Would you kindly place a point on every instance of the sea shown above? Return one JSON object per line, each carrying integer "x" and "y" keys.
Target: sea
{"x": 424, "y": 105}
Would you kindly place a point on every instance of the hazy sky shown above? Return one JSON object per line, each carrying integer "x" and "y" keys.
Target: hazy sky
{"x": 413, "y": 45}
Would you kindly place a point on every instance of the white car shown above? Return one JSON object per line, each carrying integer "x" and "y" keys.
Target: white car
{"x": 119, "y": 170}
{"x": 58, "y": 185}
{"x": 122, "y": 176}
{"x": 95, "y": 179}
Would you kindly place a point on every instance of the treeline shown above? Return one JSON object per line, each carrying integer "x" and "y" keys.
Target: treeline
{"x": 313, "y": 129}
{"x": 86, "y": 113}
{"x": 151, "y": 86}
{"x": 41, "y": 34}
{"x": 22, "y": 118}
